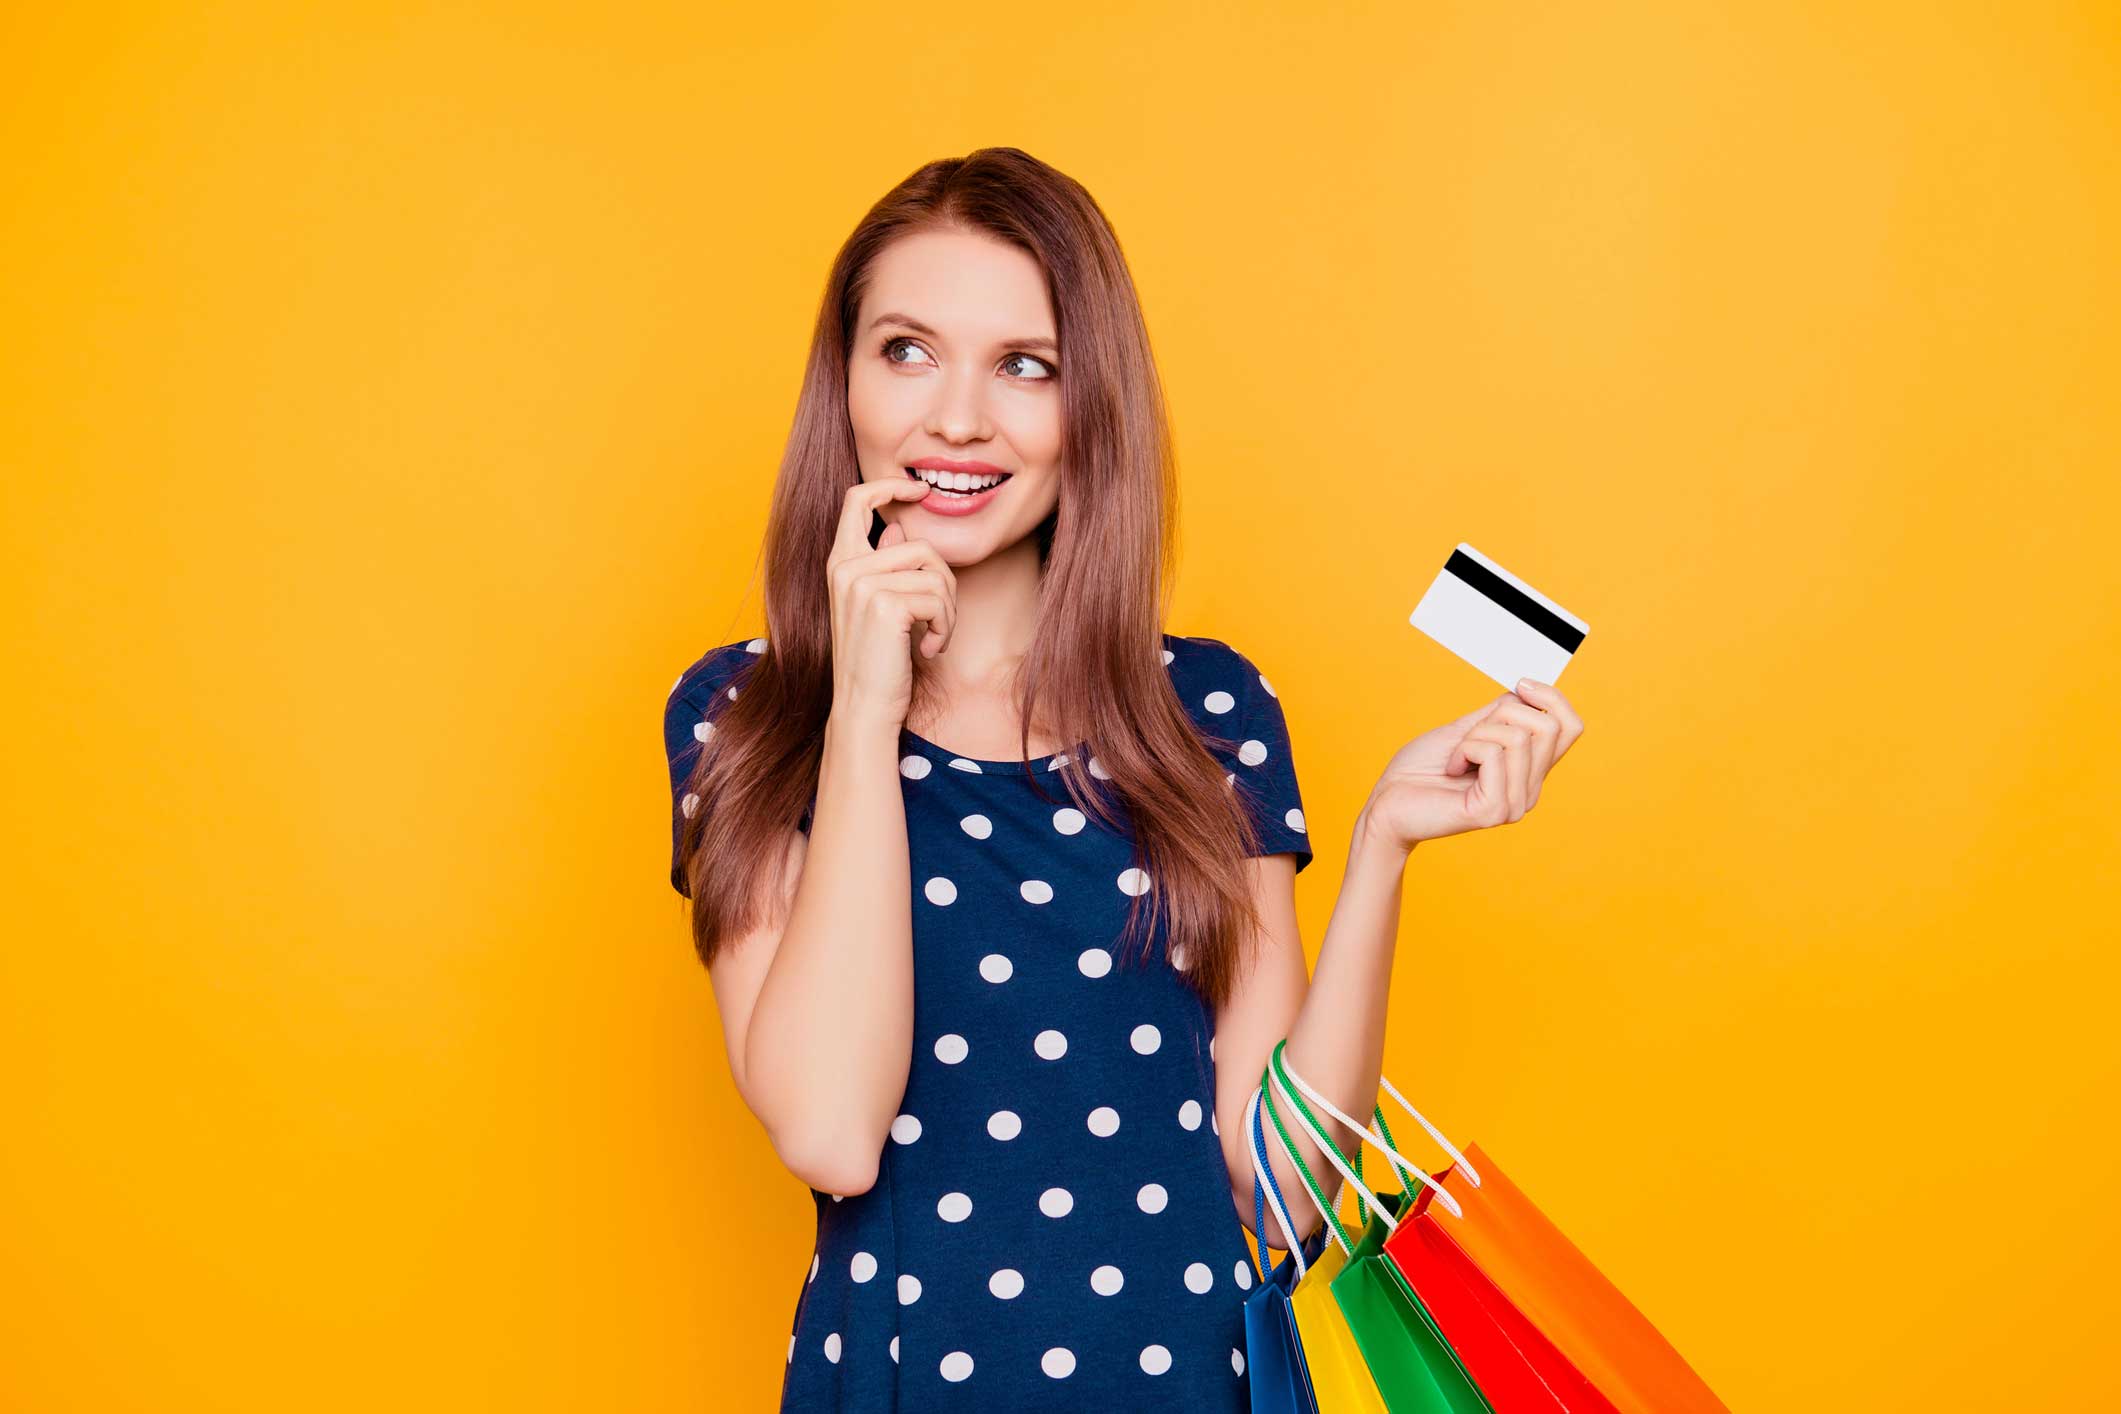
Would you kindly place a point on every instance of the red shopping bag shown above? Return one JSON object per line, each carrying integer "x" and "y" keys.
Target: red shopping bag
{"x": 1515, "y": 1365}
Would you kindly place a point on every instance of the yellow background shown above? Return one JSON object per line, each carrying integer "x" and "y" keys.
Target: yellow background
{"x": 388, "y": 408}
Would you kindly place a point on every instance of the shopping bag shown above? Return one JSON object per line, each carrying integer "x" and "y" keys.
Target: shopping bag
{"x": 1409, "y": 1363}
{"x": 1494, "y": 1229}
{"x": 1515, "y": 1366}
{"x": 1274, "y": 1361}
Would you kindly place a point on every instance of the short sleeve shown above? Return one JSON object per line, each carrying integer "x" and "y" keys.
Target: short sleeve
{"x": 1264, "y": 764}
{"x": 687, "y": 724}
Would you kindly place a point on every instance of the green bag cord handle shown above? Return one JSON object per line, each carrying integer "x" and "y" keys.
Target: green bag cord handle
{"x": 1303, "y": 1170}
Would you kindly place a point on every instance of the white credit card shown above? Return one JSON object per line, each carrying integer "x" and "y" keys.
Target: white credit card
{"x": 1496, "y": 621}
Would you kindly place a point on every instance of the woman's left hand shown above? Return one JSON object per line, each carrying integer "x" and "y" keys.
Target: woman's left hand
{"x": 1486, "y": 768}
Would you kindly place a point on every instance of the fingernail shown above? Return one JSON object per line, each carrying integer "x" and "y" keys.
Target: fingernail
{"x": 1523, "y": 683}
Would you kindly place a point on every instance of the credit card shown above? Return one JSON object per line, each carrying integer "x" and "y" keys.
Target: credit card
{"x": 1496, "y": 621}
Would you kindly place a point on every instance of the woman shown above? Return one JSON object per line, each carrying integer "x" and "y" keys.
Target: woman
{"x": 994, "y": 879}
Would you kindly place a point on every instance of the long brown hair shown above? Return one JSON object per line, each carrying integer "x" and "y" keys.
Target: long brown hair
{"x": 1096, "y": 653}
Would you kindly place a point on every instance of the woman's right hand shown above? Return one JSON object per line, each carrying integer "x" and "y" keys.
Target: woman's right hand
{"x": 878, "y": 596}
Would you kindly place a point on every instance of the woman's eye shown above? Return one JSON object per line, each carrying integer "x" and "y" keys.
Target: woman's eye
{"x": 1027, "y": 358}
{"x": 890, "y": 344}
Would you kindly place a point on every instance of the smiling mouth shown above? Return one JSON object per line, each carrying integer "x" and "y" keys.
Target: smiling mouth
{"x": 957, "y": 484}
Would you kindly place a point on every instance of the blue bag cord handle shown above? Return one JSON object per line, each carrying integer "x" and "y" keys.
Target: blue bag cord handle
{"x": 1266, "y": 1267}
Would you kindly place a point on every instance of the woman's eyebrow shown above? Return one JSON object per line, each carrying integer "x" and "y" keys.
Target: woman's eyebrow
{"x": 1034, "y": 342}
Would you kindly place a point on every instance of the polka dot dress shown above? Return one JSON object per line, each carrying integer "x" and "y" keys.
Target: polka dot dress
{"x": 1051, "y": 1225}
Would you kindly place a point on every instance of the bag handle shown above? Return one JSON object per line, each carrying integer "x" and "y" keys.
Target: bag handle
{"x": 1277, "y": 1066}
{"x": 1332, "y": 1153}
{"x": 1459, "y": 1160}
{"x": 1263, "y": 1173}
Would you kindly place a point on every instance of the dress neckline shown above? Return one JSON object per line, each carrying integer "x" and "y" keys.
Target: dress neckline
{"x": 1050, "y": 761}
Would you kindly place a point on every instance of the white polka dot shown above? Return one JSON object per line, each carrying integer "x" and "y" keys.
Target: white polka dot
{"x": 689, "y": 804}
{"x": 953, "y": 1207}
{"x": 1068, "y": 820}
{"x": 977, "y": 826}
{"x": 1133, "y": 882}
{"x": 905, "y": 1129}
{"x": 1252, "y": 752}
{"x": 1106, "y": 1281}
{"x": 940, "y": 890}
{"x": 995, "y": 968}
{"x": 1151, "y": 1198}
{"x": 1050, "y": 1045}
{"x": 959, "y": 763}
{"x": 1004, "y": 1124}
{"x": 1008, "y": 1283}
{"x": 894, "y": 1350}
{"x": 1168, "y": 655}
{"x": 832, "y": 1347}
{"x": 1181, "y": 957}
{"x": 950, "y": 1048}
{"x": 1036, "y": 891}
{"x": 1237, "y": 1361}
{"x": 1145, "y": 1039}
{"x": 956, "y": 1365}
{"x": 1268, "y": 686}
{"x": 1104, "y": 1121}
{"x": 862, "y": 1268}
{"x": 1057, "y": 762}
{"x": 791, "y": 1345}
{"x": 1058, "y": 1362}
{"x": 1218, "y": 702}
{"x": 1056, "y": 1202}
{"x": 1098, "y": 770}
{"x": 1229, "y": 778}
{"x": 1211, "y": 1048}
{"x": 1155, "y": 1359}
{"x": 909, "y": 1289}
{"x": 813, "y": 1266}
{"x": 1294, "y": 819}
{"x": 732, "y": 694}
{"x": 1199, "y": 1278}
{"x": 914, "y": 767}
{"x": 1189, "y": 1115}
{"x": 1244, "y": 1275}
{"x": 1094, "y": 962}
{"x": 756, "y": 645}
{"x": 702, "y": 729}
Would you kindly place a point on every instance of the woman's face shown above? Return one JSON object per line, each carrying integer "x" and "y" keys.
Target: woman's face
{"x": 954, "y": 358}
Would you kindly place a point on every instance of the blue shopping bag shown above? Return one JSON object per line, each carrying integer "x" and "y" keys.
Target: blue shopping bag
{"x": 1274, "y": 1359}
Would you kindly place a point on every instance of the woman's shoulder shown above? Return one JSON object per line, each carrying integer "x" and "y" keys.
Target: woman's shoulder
{"x": 1201, "y": 665}
{"x": 715, "y": 670}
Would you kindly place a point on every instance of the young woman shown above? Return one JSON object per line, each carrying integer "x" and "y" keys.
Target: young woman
{"x": 993, "y": 877}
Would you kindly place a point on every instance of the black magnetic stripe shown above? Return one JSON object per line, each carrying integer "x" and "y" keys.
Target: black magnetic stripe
{"x": 1535, "y": 614}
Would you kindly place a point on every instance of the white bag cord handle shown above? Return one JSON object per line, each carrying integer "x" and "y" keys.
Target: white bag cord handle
{"x": 1266, "y": 1186}
{"x": 1278, "y": 1065}
{"x": 1371, "y": 1137}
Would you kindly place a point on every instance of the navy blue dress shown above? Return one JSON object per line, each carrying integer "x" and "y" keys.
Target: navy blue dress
{"x": 1051, "y": 1224}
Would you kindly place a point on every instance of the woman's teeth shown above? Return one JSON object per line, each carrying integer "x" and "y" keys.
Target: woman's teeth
{"x": 959, "y": 483}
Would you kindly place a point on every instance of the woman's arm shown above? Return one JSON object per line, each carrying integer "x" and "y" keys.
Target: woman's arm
{"x": 817, "y": 1005}
{"x": 1335, "y": 1019}
{"x": 1484, "y": 769}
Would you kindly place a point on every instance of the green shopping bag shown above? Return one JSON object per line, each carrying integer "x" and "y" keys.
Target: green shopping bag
{"x": 1414, "y": 1367}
